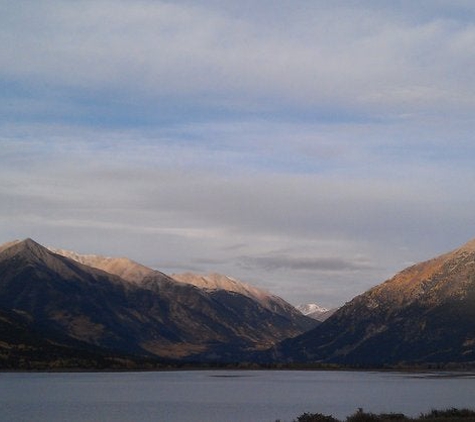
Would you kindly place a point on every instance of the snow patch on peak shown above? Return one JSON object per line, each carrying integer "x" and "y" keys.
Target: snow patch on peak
{"x": 310, "y": 308}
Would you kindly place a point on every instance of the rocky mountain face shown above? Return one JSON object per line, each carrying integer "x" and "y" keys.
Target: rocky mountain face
{"x": 125, "y": 308}
{"x": 123, "y": 267}
{"x": 214, "y": 283}
{"x": 424, "y": 314}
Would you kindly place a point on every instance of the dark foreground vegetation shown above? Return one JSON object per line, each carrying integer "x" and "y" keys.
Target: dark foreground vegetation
{"x": 448, "y": 415}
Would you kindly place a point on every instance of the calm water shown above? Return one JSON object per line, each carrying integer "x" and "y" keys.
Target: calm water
{"x": 223, "y": 396}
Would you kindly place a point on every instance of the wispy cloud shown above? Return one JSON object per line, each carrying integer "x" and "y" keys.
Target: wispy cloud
{"x": 153, "y": 57}
{"x": 321, "y": 264}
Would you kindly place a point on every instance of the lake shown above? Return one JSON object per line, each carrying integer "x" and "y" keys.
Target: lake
{"x": 224, "y": 396}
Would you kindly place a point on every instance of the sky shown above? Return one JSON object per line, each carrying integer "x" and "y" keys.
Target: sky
{"x": 311, "y": 148}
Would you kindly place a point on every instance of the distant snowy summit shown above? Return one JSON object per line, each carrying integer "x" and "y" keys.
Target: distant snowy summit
{"x": 315, "y": 311}
{"x": 310, "y": 308}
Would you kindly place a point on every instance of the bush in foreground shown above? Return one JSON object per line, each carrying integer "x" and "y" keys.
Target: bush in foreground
{"x": 448, "y": 415}
{"x": 315, "y": 417}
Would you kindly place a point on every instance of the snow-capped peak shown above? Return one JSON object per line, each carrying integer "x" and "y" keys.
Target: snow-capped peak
{"x": 311, "y": 308}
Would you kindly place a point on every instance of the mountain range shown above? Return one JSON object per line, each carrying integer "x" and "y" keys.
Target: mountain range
{"x": 114, "y": 306}
{"x": 423, "y": 315}
{"x": 62, "y": 309}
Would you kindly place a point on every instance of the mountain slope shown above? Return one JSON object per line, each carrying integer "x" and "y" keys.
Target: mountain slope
{"x": 23, "y": 346}
{"x": 123, "y": 267}
{"x": 426, "y": 313}
{"x": 61, "y": 295}
{"x": 221, "y": 282}
{"x": 151, "y": 316}
{"x": 233, "y": 298}
{"x": 215, "y": 283}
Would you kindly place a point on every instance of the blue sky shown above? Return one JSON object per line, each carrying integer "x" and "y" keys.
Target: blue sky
{"x": 312, "y": 148}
